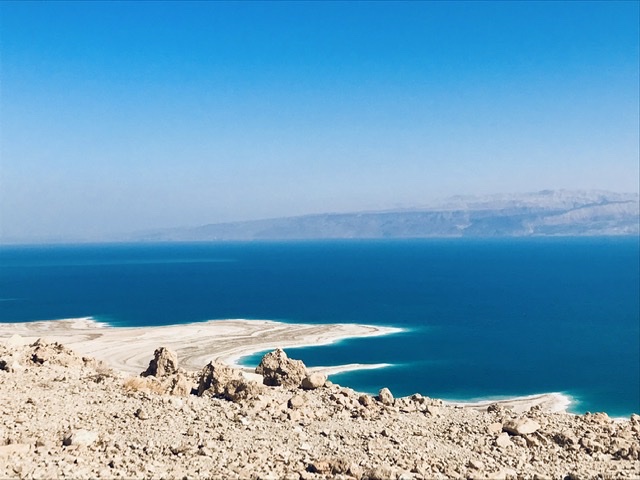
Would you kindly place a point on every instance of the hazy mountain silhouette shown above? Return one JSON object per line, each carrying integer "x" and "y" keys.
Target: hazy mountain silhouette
{"x": 544, "y": 213}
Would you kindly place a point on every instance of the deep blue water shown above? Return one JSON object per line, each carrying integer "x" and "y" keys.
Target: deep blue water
{"x": 485, "y": 318}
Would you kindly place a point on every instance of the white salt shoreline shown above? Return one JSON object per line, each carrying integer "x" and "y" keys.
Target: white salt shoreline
{"x": 375, "y": 331}
{"x": 550, "y": 402}
{"x": 129, "y": 349}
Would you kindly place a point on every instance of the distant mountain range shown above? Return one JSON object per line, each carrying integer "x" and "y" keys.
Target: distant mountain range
{"x": 544, "y": 213}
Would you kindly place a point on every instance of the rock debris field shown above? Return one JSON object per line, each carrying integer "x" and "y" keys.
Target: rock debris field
{"x": 63, "y": 415}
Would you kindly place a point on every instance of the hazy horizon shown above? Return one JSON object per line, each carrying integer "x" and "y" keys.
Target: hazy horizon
{"x": 121, "y": 117}
{"x": 573, "y": 212}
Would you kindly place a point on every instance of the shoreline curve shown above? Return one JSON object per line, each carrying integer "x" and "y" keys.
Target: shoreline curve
{"x": 129, "y": 349}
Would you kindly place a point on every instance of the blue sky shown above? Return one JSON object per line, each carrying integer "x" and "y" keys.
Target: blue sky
{"x": 129, "y": 116}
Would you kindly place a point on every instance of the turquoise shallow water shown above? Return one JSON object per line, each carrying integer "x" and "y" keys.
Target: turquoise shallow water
{"x": 483, "y": 318}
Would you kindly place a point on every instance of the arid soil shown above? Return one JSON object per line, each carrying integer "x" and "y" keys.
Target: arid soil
{"x": 64, "y": 415}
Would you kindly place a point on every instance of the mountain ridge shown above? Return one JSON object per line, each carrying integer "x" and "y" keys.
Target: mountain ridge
{"x": 544, "y": 213}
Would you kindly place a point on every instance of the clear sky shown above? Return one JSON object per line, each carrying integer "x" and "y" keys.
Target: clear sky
{"x": 123, "y": 116}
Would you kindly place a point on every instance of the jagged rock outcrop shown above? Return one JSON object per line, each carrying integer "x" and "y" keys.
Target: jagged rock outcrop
{"x": 163, "y": 363}
{"x": 16, "y": 354}
{"x": 220, "y": 380}
{"x": 279, "y": 370}
{"x": 163, "y": 375}
{"x": 54, "y": 352}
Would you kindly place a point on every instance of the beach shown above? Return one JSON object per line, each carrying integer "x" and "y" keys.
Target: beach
{"x": 129, "y": 349}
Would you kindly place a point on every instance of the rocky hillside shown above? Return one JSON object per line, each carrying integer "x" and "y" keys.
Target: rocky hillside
{"x": 67, "y": 416}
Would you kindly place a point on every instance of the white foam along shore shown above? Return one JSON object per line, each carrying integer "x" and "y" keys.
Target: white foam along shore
{"x": 129, "y": 349}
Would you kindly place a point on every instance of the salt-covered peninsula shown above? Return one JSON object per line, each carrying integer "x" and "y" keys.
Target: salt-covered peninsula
{"x": 127, "y": 349}
{"x": 68, "y": 414}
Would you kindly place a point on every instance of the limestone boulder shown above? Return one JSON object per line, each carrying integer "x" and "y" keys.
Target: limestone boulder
{"x": 330, "y": 466}
{"x": 163, "y": 363}
{"x": 279, "y": 370}
{"x": 313, "y": 381}
{"x": 521, "y": 426}
{"x": 322, "y": 467}
{"x": 385, "y": 397}
{"x": 220, "y": 380}
{"x": 296, "y": 402}
{"x": 503, "y": 440}
{"x": 80, "y": 437}
{"x": 366, "y": 400}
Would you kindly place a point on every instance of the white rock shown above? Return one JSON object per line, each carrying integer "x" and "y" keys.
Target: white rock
{"x": 313, "y": 381}
{"x": 495, "y": 428}
{"x": 503, "y": 440}
{"x": 296, "y": 401}
{"x": 522, "y": 426}
{"x": 80, "y": 437}
{"x": 385, "y": 396}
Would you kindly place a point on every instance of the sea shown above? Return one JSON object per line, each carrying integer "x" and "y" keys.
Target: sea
{"x": 480, "y": 318}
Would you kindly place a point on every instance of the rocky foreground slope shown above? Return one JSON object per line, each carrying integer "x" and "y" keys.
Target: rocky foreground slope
{"x": 66, "y": 416}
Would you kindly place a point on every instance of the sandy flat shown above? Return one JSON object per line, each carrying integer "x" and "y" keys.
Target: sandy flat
{"x": 130, "y": 349}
